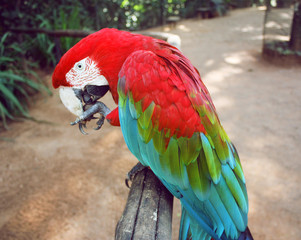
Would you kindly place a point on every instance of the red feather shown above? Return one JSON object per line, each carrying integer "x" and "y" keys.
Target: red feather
{"x": 163, "y": 86}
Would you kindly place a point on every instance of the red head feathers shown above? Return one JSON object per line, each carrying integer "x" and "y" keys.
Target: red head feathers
{"x": 107, "y": 49}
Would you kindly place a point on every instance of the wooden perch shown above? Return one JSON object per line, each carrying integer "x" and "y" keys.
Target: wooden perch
{"x": 148, "y": 211}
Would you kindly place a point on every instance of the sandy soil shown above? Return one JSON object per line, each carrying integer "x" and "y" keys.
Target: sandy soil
{"x": 56, "y": 183}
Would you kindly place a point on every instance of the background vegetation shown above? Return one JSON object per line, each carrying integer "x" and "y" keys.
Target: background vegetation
{"x": 21, "y": 54}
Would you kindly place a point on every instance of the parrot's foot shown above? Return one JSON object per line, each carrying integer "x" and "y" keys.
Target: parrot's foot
{"x": 131, "y": 174}
{"x": 88, "y": 114}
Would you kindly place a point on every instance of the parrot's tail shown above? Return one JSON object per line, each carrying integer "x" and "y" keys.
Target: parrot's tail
{"x": 185, "y": 233}
{"x": 189, "y": 228}
{"x": 246, "y": 235}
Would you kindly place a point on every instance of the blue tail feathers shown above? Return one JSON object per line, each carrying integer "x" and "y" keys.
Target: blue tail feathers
{"x": 187, "y": 226}
{"x": 246, "y": 235}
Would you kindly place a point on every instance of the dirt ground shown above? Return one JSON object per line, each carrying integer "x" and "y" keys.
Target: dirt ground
{"x": 56, "y": 183}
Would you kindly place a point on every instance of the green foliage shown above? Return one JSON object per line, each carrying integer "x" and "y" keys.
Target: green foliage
{"x": 64, "y": 20}
{"x": 93, "y": 14}
{"x": 41, "y": 47}
{"x": 141, "y": 14}
{"x": 16, "y": 84}
{"x": 84, "y": 15}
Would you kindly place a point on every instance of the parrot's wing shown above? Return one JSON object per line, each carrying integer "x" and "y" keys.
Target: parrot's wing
{"x": 170, "y": 124}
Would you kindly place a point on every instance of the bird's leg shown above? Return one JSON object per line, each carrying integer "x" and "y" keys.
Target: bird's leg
{"x": 131, "y": 174}
{"x": 96, "y": 107}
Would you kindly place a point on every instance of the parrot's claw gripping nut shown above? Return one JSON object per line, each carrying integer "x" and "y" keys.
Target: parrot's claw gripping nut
{"x": 88, "y": 114}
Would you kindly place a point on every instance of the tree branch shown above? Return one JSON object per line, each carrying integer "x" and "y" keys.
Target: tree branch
{"x": 54, "y": 33}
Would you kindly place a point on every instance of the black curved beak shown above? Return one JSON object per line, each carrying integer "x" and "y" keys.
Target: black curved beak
{"x": 97, "y": 91}
{"x": 91, "y": 93}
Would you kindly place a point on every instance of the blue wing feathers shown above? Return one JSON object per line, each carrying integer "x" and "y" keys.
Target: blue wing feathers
{"x": 231, "y": 206}
{"x": 184, "y": 225}
{"x": 218, "y": 225}
{"x": 235, "y": 187}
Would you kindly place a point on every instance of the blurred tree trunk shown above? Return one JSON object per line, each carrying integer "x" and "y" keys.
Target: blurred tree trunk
{"x": 20, "y": 36}
{"x": 97, "y": 24}
{"x": 268, "y": 3}
{"x": 163, "y": 15}
{"x": 283, "y": 3}
{"x": 295, "y": 41}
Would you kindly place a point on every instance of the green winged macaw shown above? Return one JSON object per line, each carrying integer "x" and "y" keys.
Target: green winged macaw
{"x": 168, "y": 121}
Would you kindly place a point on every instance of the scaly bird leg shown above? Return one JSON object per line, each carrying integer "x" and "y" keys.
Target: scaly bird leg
{"x": 97, "y": 107}
{"x": 131, "y": 174}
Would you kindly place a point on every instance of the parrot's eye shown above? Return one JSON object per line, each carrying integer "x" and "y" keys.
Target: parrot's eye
{"x": 80, "y": 66}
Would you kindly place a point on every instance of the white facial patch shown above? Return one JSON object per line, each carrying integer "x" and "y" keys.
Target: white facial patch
{"x": 71, "y": 102}
{"x": 85, "y": 72}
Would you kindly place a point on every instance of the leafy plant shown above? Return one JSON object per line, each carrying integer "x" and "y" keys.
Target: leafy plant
{"x": 16, "y": 84}
{"x": 41, "y": 47}
{"x": 67, "y": 20}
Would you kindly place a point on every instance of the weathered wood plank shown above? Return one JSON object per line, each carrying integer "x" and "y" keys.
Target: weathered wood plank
{"x": 127, "y": 222}
{"x": 148, "y": 211}
{"x": 164, "y": 224}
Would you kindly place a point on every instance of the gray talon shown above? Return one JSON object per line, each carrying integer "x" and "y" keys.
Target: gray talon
{"x": 100, "y": 122}
{"x": 131, "y": 174}
{"x": 80, "y": 126}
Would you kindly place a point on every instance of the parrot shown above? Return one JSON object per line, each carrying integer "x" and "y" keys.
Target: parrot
{"x": 168, "y": 121}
